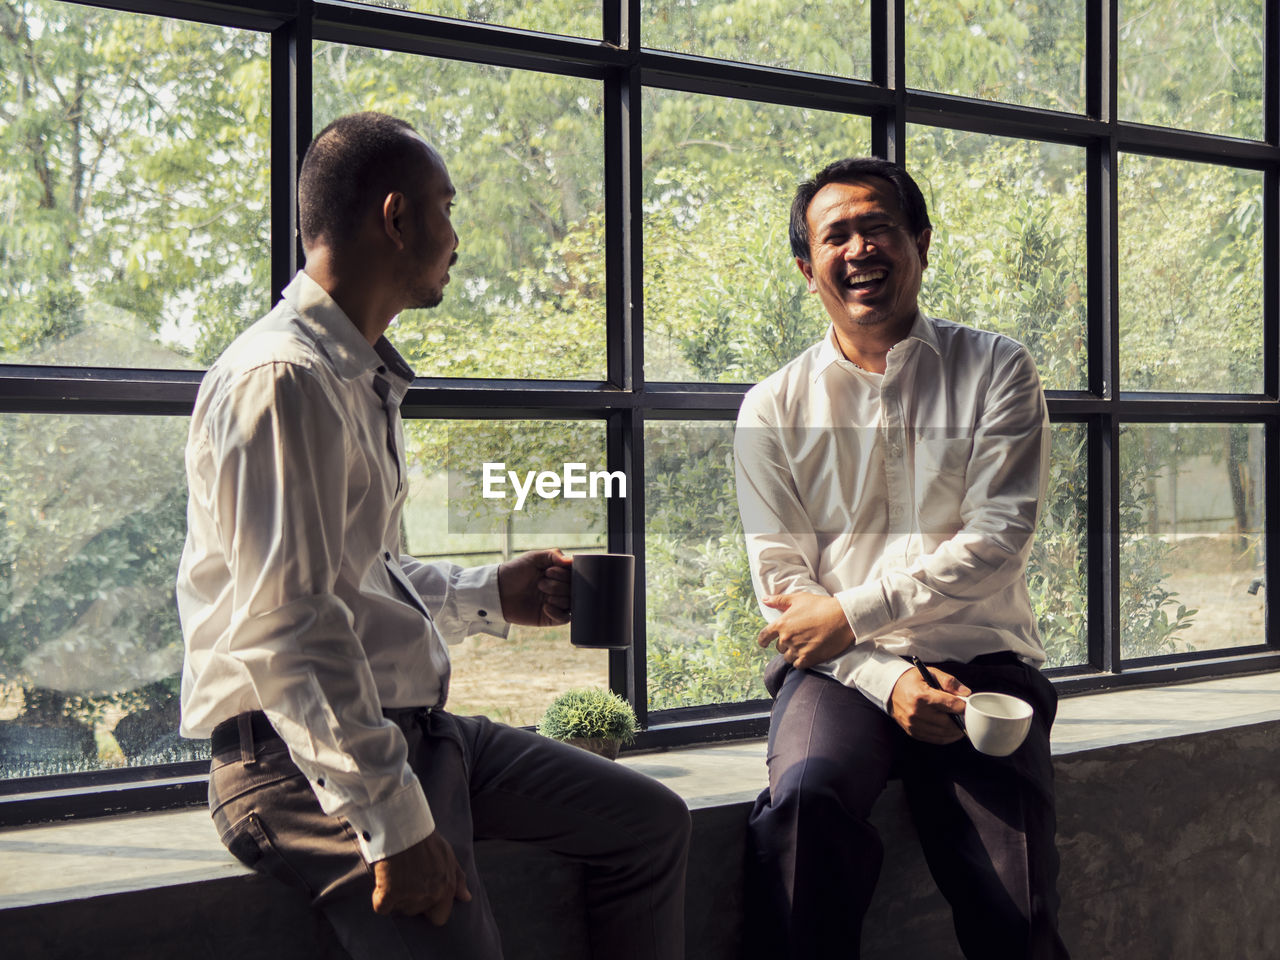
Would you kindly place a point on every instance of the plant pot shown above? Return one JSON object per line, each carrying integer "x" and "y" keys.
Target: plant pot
{"x": 606, "y": 747}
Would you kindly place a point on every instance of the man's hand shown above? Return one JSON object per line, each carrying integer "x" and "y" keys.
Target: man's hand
{"x": 925, "y": 712}
{"x": 811, "y": 630}
{"x": 424, "y": 879}
{"x": 534, "y": 588}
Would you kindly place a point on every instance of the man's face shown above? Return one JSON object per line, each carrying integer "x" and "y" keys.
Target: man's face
{"x": 864, "y": 264}
{"x": 430, "y": 240}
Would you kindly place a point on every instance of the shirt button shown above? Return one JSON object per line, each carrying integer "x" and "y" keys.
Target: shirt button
{"x": 367, "y": 835}
{"x": 482, "y": 613}
{"x": 387, "y": 555}
{"x": 320, "y": 782}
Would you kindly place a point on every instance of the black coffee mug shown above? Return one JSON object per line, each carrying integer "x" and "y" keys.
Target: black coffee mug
{"x": 602, "y": 600}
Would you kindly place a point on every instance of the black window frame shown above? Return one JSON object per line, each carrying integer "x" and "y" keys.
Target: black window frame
{"x": 625, "y": 400}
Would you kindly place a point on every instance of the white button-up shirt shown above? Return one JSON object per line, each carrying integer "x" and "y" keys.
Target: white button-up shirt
{"x": 910, "y": 496}
{"x": 293, "y": 595}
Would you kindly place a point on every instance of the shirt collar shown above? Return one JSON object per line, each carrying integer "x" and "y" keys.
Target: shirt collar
{"x": 922, "y": 329}
{"x": 340, "y": 339}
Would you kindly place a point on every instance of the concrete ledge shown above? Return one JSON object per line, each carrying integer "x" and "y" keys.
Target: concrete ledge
{"x": 1169, "y": 829}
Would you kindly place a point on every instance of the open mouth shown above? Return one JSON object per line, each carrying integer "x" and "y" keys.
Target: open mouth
{"x": 866, "y": 281}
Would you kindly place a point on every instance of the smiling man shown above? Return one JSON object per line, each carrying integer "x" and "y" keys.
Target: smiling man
{"x": 890, "y": 478}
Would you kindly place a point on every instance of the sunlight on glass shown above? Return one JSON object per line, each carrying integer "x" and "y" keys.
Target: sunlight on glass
{"x": 1008, "y": 250}
{"x": 526, "y": 153}
{"x": 134, "y": 180}
{"x": 820, "y": 36}
{"x": 1193, "y": 64}
{"x": 701, "y": 612}
{"x": 1192, "y": 534}
{"x": 90, "y": 647}
{"x": 1057, "y": 571}
{"x": 577, "y": 18}
{"x": 1190, "y": 277}
{"x": 1030, "y": 53}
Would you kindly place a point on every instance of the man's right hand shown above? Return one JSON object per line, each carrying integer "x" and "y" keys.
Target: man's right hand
{"x": 424, "y": 879}
{"x": 923, "y": 711}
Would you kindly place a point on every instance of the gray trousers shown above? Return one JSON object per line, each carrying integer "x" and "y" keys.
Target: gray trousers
{"x": 483, "y": 780}
{"x": 986, "y": 823}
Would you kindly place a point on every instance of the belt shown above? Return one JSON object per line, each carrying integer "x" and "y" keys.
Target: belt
{"x": 1005, "y": 658}
{"x": 226, "y": 735}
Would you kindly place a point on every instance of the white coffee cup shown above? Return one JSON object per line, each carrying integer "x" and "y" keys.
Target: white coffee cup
{"x": 996, "y": 723}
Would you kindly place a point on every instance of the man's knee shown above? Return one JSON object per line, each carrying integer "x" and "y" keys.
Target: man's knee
{"x": 819, "y": 792}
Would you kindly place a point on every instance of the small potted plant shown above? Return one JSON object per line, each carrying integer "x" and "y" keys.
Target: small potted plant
{"x": 596, "y": 720}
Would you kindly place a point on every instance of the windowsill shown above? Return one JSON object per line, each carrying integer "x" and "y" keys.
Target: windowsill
{"x": 66, "y": 861}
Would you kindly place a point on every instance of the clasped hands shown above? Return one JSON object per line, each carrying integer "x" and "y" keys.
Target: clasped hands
{"x": 813, "y": 628}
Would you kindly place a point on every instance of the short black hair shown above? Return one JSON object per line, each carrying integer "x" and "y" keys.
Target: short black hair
{"x": 353, "y": 162}
{"x": 851, "y": 169}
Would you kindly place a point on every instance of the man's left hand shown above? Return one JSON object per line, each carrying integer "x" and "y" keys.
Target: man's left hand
{"x": 534, "y": 588}
{"x": 811, "y": 630}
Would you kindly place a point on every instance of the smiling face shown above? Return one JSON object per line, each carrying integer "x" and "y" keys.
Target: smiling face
{"x": 864, "y": 263}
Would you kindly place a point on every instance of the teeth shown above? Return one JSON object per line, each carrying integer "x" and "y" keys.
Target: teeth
{"x": 864, "y": 277}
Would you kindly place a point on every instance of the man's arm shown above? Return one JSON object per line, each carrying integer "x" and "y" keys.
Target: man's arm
{"x": 1005, "y": 480}
{"x": 278, "y": 500}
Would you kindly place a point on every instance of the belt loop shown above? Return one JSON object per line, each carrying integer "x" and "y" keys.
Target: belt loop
{"x": 244, "y": 722}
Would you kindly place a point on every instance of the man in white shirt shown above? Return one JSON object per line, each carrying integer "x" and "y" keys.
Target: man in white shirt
{"x": 889, "y": 479}
{"x": 315, "y": 651}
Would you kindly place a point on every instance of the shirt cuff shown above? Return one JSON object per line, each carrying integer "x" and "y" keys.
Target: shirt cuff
{"x": 871, "y": 671}
{"x": 865, "y": 609}
{"x": 478, "y": 602}
{"x": 393, "y": 825}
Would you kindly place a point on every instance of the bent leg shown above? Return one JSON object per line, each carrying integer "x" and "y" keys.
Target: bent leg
{"x": 266, "y": 810}
{"x": 813, "y": 856}
{"x": 987, "y": 827}
{"x": 630, "y": 831}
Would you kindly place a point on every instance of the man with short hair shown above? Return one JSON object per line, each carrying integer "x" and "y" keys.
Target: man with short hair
{"x": 315, "y": 650}
{"x": 889, "y": 479}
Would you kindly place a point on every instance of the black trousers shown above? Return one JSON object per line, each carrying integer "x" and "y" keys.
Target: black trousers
{"x": 986, "y": 823}
{"x": 483, "y": 780}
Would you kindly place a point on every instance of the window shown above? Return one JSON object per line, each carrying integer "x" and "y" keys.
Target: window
{"x": 1103, "y": 182}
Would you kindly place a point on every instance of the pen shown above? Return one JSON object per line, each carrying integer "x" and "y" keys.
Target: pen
{"x": 933, "y": 682}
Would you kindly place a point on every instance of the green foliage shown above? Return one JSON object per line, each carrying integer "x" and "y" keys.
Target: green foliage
{"x": 588, "y": 713}
{"x": 134, "y": 231}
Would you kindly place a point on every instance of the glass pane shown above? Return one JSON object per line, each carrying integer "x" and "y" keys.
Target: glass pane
{"x": 90, "y": 646}
{"x": 1056, "y": 572}
{"x": 1008, "y": 250}
{"x": 701, "y": 613}
{"x": 526, "y": 153}
{"x": 577, "y": 18}
{"x": 1194, "y": 64}
{"x": 1190, "y": 277}
{"x": 447, "y": 517}
{"x": 820, "y": 36}
{"x": 134, "y": 182}
{"x": 1027, "y": 53}
{"x": 1191, "y": 524}
{"x": 724, "y": 301}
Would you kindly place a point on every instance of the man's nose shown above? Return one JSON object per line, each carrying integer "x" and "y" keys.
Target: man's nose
{"x": 857, "y": 247}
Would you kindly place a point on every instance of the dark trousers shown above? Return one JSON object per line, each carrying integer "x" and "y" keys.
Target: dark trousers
{"x": 986, "y": 824}
{"x": 483, "y": 780}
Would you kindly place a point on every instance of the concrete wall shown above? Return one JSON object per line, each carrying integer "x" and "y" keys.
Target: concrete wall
{"x": 1170, "y": 850}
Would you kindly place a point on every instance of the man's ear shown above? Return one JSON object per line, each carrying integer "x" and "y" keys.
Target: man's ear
{"x": 807, "y": 269}
{"x": 922, "y": 245}
{"x": 393, "y": 212}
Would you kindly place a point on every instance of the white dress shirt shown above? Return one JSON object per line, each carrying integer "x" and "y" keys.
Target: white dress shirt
{"x": 910, "y": 496}
{"x": 292, "y": 592}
